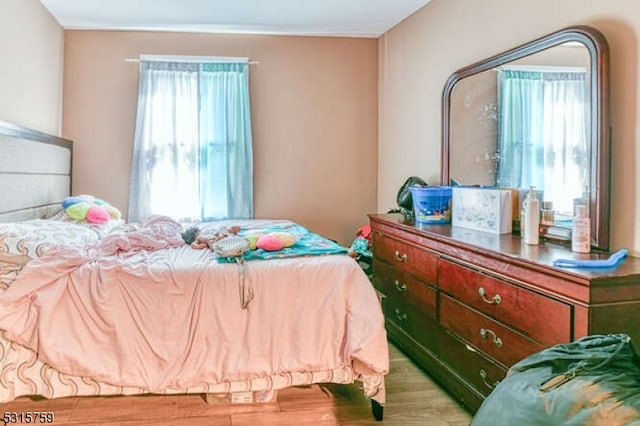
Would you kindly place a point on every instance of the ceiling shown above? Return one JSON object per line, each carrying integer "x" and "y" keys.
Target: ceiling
{"x": 350, "y": 18}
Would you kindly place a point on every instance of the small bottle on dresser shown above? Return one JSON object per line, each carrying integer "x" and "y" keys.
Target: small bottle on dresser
{"x": 547, "y": 214}
{"x": 581, "y": 230}
{"x": 531, "y": 207}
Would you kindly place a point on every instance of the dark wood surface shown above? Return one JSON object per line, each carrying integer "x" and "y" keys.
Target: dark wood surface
{"x": 522, "y": 309}
{"x": 508, "y": 255}
{"x": 504, "y": 344}
{"x": 495, "y": 299}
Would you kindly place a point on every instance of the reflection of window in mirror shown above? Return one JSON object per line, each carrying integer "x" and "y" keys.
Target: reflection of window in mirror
{"x": 543, "y": 132}
{"x": 541, "y": 138}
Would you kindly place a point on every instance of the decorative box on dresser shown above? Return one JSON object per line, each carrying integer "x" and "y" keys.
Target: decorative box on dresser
{"x": 466, "y": 305}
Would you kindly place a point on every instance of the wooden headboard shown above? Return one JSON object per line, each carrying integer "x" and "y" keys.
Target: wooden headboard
{"x": 35, "y": 172}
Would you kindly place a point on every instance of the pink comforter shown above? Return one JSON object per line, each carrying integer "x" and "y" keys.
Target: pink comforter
{"x": 143, "y": 309}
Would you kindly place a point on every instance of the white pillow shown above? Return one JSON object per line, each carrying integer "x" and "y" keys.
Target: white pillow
{"x": 23, "y": 241}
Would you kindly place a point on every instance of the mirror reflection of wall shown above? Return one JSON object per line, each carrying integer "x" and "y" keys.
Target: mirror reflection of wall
{"x": 474, "y": 137}
{"x": 525, "y": 124}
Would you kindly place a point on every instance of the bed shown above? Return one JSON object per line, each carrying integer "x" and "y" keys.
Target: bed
{"x": 121, "y": 309}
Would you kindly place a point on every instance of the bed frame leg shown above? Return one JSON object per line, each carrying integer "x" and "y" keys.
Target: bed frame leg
{"x": 377, "y": 410}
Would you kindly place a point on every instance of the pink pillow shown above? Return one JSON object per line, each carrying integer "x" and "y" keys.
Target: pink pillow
{"x": 269, "y": 243}
{"x": 97, "y": 214}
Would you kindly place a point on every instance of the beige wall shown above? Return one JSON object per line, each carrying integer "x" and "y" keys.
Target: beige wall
{"x": 314, "y": 113}
{"x": 31, "y": 46}
{"x": 417, "y": 56}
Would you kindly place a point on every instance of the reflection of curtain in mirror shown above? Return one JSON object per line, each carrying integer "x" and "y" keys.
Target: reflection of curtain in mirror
{"x": 543, "y": 134}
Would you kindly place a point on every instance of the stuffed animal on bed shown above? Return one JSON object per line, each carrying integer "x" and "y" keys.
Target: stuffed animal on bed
{"x": 272, "y": 241}
{"x": 89, "y": 208}
{"x": 205, "y": 238}
{"x": 275, "y": 241}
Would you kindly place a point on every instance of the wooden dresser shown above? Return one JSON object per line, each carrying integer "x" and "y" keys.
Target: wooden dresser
{"x": 466, "y": 305}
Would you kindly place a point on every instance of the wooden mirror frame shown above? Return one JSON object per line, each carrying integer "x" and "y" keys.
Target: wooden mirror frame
{"x": 600, "y": 150}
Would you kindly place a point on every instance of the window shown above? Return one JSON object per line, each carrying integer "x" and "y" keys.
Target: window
{"x": 192, "y": 154}
{"x": 543, "y": 132}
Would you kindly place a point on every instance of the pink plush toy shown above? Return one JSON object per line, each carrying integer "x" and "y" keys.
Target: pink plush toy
{"x": 269, "y": 243}
{"x": 286, "y": 238}
{"x": 97, "y": 214}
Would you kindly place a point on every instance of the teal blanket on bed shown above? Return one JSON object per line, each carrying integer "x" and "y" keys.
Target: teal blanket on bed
{"x": 307, "y": 244}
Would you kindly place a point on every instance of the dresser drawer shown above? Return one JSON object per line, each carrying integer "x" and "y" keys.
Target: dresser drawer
{"x": 541, "y": 318}
{"x": 419, "y": 262}
{"x": 413, "y": 321}
{"x": 405, "y": 289}
{"x": 482, "y": 373}
{"x": 491, "y": 337}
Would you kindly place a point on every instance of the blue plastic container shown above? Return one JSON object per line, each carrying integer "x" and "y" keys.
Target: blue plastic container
{"x": 431, "y": 204}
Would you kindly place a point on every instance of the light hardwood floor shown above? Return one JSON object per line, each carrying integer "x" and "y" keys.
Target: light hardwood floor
{"x": 412, "y": 399}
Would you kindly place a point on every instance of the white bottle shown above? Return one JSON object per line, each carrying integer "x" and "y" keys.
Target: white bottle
{"x": 581, "y": 231}
{"x": 531, "y": 207}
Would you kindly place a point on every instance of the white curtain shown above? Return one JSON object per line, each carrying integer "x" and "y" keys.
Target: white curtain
{"x": 566, "y": 136}
{"x": 543, "y": 133}
{"x": 192, "y": 156}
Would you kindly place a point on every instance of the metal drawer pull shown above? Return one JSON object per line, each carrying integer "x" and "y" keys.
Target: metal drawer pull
{"x": 484, "y": 375}
{"x": 400, "y": 315}
{"x": 400, "y": 287}
{"x": 496, "y": 339}
{"x": 400, "y": 258}
{"x": 495, "y": 300}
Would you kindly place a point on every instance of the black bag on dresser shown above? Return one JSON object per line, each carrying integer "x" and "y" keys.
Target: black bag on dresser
{"x": 404, "y": 198}
{"x": 592, "y": 381}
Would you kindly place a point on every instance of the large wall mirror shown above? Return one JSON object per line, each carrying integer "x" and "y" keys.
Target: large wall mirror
{"x": 536, "y": 115}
